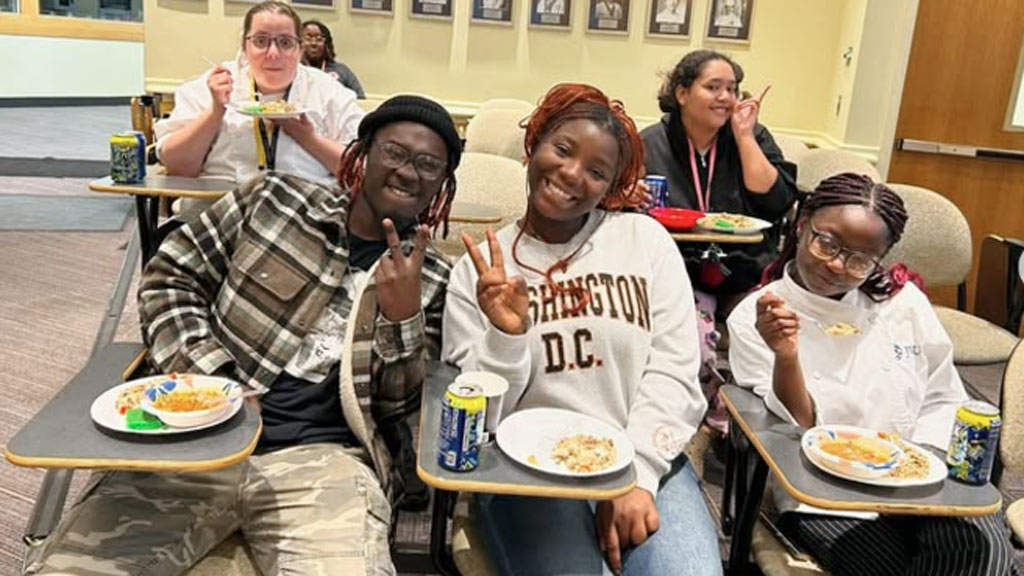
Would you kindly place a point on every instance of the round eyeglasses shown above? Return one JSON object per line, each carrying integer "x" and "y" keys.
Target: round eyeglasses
{"x": 394, "y": 156}
{"x": 285, "y": 44}
{"x": 825, "y": 247}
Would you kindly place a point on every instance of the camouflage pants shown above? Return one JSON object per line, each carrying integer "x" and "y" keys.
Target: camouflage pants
{"x": 315, "y": 509}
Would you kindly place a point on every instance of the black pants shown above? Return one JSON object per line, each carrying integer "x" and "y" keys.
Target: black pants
{"x": 906, "y": 545}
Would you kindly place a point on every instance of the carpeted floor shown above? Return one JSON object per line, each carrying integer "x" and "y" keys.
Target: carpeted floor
{"x": 53, "y": 292}
{"x": 94, "y": 213}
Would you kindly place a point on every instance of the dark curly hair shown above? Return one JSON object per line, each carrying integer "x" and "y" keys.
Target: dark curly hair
{"x": 850, "y": 189}
{"x": 329, "y": 55}
{"x": 686, "y": 71}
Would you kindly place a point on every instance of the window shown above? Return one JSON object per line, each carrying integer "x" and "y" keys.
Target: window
{"x": 8, "y": 5}
{"x": 126, "y": 10}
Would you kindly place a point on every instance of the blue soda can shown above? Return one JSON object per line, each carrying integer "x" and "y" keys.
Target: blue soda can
{"x": 659, "y": 190}
{"x": 975, "y": 439}
{"x": 462, "y": 426}
{"x": 128, "y": 157}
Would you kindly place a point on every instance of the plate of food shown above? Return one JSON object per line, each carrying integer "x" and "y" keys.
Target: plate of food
{"x": 276, "y": 110}
{"x": 732, "y": 223}
{"x": 676, "y": 219}
{"x": 564, "y": 443}
{"x": 167, "y": 404}
{"x": 870, "y": 457}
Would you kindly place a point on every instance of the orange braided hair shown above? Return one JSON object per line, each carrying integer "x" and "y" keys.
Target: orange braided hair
{"x": 569, "y": 101}
{"x": 350, "y": 177}
{"x": 564, "y": 103}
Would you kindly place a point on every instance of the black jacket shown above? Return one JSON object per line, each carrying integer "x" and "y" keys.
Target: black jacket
{"x": 667, "y": 153}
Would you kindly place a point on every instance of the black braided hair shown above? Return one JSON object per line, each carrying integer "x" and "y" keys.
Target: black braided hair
{"x": 850, "y": 189}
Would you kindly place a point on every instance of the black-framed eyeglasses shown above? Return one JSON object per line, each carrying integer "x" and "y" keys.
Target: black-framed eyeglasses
{"x": 313, "y": 38}
{"x": 285, "y": 44}
{"x": 394, "y": 156}
{"x": 824, "y": 246}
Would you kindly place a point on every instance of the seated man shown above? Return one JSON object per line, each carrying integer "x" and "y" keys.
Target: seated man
{"x": 283, "y": 287}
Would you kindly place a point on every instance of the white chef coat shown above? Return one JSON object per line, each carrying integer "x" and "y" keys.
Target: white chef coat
{"x": 897, "y": 375}
{"x": 330, "y": 106}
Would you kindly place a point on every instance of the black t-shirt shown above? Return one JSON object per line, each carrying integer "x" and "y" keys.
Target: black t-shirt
{"x": 297, "y": 411}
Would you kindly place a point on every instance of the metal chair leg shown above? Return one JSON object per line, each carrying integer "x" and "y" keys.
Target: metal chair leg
{"x": 730, "y": 472}
{"x": 53, "y": 492}
{"x": 49, "y": 505}
{"x": 739, "y": 550}
{"x": 444, "y": 502}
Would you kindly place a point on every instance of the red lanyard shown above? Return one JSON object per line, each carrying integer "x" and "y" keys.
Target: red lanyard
{"x": 703, "y": 198}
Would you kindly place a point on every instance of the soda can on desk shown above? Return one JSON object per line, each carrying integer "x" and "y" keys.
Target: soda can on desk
{"x": 658, "y": 187}
{"x": 463, "y": 410}
{"x": 128, "y": 157}
{"x": 975, "y": 439}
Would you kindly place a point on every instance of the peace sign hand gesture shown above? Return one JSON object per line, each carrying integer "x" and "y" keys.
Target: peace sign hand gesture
{"x": 398, "y": 275}
{"x": 504, "y": 300}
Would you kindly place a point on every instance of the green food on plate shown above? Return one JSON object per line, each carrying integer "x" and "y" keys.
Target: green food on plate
{"x": 138, "y": 419}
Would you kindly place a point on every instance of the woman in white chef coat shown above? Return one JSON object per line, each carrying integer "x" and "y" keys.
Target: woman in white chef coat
{"x": 206, "y": 136}
{"x": 838, "y": 338}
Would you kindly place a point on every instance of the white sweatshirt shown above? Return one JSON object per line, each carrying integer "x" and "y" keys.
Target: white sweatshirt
{"x": 629, "y": 358}
{"x": 897, "y": 375}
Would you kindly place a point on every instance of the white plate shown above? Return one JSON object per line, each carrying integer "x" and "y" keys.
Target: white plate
{"x": 240, "y": 108}
{"x": 937, "y": 470}
{"x": 759, "y": 226}
{"x": 104, "y": 409}
{"x": 529, "y": 436}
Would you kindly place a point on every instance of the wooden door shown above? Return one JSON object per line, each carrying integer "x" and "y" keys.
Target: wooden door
{"x": 959, "y": 77}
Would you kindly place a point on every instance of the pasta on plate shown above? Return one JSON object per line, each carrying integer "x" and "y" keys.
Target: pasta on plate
{"x": 584, "y": 453}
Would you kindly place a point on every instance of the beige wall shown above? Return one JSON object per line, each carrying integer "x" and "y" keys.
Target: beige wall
{"x": 73, "y": 67}
{"x": 880, "y": 66}
{"x": 796, "y": 48}
{"x": 847, "y": 40}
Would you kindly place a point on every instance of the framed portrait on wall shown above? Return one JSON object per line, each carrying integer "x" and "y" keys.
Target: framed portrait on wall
{"x": 436, "y": 9}
{"x": 492, "y": 12}
{"x": 385, "y": 7}
{"x": 669, "y": 18}
{"x": 610, "y": 16}
{"x": 314, "y": 4}
{"x": 553, "y": 14}
{"x": 729, "y": 20}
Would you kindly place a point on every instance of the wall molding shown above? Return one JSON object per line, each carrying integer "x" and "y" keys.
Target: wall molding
{"x": 824, "y": 140}
{"x": 29, "y": 22}
{"x": 812, "y": 138}
{"x": 47, "y": 102}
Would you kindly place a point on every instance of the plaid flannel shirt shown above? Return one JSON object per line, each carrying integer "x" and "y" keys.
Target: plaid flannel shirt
{"x": 235, "y": 291}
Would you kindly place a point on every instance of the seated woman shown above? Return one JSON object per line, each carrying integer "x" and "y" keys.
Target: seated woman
{"x": 613, "y": 336}
{"x": 717, "y": 158}
{"x": 318, "y": 52}
{"x": 204, "y": 136}
{"x": 895, "y": 374}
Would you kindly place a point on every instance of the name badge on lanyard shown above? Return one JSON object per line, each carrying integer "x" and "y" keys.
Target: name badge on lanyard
{"x": 266, "y": 147}
{"x": 712, "y": 271}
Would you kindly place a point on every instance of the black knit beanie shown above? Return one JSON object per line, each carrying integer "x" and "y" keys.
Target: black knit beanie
{"x": 422, "y": 111}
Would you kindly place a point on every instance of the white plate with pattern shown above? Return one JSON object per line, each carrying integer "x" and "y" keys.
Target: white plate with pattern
{"x": 936, "y": 468}
{"x": 256, "y": 109}
{"x": 106, "y": 412}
